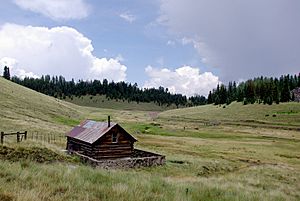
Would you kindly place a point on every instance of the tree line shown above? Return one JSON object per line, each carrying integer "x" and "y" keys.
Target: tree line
{"x": 261, "y": 90}
{"x": 58, "y": 87}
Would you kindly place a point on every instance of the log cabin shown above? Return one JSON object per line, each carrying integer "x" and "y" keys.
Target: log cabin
{"x": 100, "y": 140}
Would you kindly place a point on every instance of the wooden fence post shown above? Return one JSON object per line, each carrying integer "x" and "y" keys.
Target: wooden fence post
{"x": 25, "y": 135}
{"x": 2, "y": 136}
{"x": 18, "y": 137}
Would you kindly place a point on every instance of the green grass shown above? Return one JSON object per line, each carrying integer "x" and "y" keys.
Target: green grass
{"x": 213, "y": 153}
{"x": 66, "y": 121}
{"x": 25, "y": 109}
{"x": 283, "y": 114}
{"x": 100, "y": 101}
{"x": 32, "y": 153}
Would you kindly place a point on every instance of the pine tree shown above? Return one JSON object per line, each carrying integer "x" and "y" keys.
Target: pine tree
{"x": 209, "y": 98}
{"x": 249, "y": 92}
{"x": 229, "y": 93}
{"x": 6, "y": 73}
{"x": 223, "y": 94}
{"x": 285, "y": 93}
{"x": 276, "y": 94}
{"x": 217, "y": 95}
{"x": 234, "y": 92}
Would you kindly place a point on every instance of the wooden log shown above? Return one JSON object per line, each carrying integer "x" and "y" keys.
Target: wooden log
{"x": 111, "y": 146}
{"x": 2, "y": 137}
{"x": 18, "y": 137}
{"x": 113, "y": 152}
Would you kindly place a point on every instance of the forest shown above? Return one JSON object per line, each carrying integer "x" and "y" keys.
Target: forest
{"x": 266, "y": 90}
{"x": 58, "y": 87}
{"x": 261, "y": 90}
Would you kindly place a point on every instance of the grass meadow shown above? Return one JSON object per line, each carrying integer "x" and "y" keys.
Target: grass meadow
{"x": 213, "y": 153}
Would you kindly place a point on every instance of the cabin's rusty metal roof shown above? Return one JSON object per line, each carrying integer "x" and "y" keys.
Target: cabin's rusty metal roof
{"x": 90, "y": 131}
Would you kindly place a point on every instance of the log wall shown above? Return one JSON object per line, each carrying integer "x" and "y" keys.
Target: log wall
{"x": 104, "y": 148}
{"x": 74, "y": 145}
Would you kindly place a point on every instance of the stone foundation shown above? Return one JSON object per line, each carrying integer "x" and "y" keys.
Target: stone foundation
{"x": 138, "y": 159}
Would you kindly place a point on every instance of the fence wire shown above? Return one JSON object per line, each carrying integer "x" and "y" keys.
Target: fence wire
{"x": 50, "y": 138}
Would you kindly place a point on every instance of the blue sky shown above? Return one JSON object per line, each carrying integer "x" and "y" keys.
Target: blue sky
{"x": 188, "y": 46}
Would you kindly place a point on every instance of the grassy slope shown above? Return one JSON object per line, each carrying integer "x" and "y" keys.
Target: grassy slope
{"x": 25, "y": 109}
{"x": 285, "y": 114}
{"x": 100, "y": 101}
{"x": 248, "y": 161}
{"x": 22, "y": 108}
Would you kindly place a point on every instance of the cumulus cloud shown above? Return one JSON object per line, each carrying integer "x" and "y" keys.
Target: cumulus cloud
{"x": 185, "y": 80}
{"x": 56, "y": 51}
{"x": 241, "y": 38}
{"x": 108, "y": 68}
{"x": 14, "y": 68}
{"x": 56, "y": 9}
{"x": 21, "y": 73}
{"x": 6, "y": 61}
{"x": 128, "y": 17}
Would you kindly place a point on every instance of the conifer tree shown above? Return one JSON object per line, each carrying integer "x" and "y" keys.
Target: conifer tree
{"x": 209, "y": 98}
{"x": 285, "y": 93}
{"x": 6, "y": 73}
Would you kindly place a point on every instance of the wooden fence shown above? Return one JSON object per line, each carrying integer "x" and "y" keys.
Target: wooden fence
{"x": 51, "y": 138}
{"x": 20, "y": 136}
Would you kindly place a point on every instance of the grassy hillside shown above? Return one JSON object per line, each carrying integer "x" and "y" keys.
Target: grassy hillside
{"x": 213, "y": 153}
{"x": 284, "y": 114}
{"x": 22, "y": 108}
{"x": 25, "y": 109}
{"x": 100, "y": 101}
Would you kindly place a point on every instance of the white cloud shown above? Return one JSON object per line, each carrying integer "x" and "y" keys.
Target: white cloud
{"x": 56, "y": 51}
{"x": 120, "y": 58}
{"x": 128, "y": 17}
{"x": 14, "y": 69}
{"x": 171, "y": 43}
{"x": 56, "y": 9}
{"x": 242, "y": 39}
{"x": 21, "y": 73}
{"x": 6, "y": 61}
{"x": 108, "y": 68}
{"x": 185, "y": 80}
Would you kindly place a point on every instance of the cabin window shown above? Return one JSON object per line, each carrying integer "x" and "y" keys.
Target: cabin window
{"x": 114, "y": 138}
